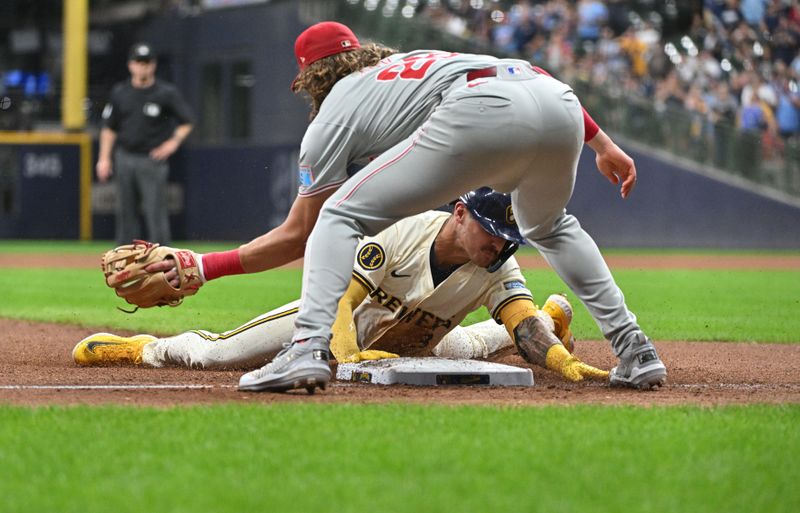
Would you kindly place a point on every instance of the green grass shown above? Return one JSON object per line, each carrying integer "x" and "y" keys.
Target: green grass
{"x": 82, "y": 298}
{"x": 671, "y": 305}
{"x": 400, "y": 458}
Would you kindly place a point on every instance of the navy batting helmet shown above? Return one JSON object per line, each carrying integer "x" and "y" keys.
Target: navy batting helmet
{"x": 493, "y": 212}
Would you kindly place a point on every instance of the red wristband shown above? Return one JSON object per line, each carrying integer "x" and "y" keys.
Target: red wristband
{"x": 590, "y": 128}
{"x": 226, "y": 263}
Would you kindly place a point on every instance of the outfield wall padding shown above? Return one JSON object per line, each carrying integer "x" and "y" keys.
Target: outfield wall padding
{"x": 240, "y": 192}
{"x": 675, "y": 207}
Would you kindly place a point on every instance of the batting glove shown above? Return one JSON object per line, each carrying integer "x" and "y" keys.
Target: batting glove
{"x": 370, "y": 354}
{"x": 569, "y": 366}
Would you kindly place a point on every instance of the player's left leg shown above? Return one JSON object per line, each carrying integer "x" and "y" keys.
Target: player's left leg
{"x": 538, "y": 203}
{"x": 152, "y": 178}
{"x": 127, "y": 197}
{"x": 247, "y": 346}
{"x": 575, "y": 257}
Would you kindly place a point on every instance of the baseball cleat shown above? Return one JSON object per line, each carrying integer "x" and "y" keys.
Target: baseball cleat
{"x": 107, "y": 349}
{"x": 302, "y": 364}
{"x": 639, "y": 366}
{"x": 558, "y": 308}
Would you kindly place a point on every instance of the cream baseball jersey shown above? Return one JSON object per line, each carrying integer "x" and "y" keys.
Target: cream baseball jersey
{"x": 404, "y": 312}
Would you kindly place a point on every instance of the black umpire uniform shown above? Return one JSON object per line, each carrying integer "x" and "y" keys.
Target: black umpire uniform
{"x": 142, "y": 119}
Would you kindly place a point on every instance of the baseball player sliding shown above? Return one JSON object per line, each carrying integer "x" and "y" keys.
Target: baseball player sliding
{"x": 439, "y": 124}
{"x": 411, "y": 287}
{"x": 428, "y": 126}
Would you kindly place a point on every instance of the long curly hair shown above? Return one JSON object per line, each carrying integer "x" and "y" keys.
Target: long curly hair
{"x": 319, "y": 77}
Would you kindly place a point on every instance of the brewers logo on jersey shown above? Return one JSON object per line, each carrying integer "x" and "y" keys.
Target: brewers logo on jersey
{"x": 371, "y": 256}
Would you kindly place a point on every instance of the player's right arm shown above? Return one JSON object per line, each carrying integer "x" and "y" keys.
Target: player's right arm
{"x": 286, "y": 242}
{"x": 613, "y": 163}
{"x": 104, "y": 166}
{"x": 324, "y": 157}
{"x": 108, "y": 134}
{"x": 281, "y": 245}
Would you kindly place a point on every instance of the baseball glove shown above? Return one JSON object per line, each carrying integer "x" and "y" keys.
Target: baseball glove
{"x": 125, "y": 268}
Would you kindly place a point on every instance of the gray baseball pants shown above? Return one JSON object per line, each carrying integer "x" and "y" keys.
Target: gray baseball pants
{"x": 520, "y": 134}
{"x": 141, "y": 181}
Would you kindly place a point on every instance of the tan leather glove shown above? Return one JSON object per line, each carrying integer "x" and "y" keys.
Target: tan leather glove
{"x": 560, "y": 360}
{"x": 126, "y": 271}
{"x": 369, "y": 354}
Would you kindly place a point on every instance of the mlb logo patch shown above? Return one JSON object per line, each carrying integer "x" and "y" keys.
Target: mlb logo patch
{"x": 346, "y": 43}
{"x": 516, "y": 284}
{"x": 306, "y": 177}
{"x": 514, "y": 70}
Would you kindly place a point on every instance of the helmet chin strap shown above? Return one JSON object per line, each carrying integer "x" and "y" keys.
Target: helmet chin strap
{"x": 509, "y": 249}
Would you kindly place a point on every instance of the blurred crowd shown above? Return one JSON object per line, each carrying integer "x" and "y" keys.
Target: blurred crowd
{"x": 731, "y": 65}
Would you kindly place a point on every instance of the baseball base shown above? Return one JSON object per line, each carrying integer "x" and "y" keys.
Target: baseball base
{"x": 434, "y": 371}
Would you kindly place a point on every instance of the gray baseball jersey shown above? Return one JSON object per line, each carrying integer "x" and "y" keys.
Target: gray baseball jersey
{"x": 355, "y": 125}
{"x": 437, "y": 125}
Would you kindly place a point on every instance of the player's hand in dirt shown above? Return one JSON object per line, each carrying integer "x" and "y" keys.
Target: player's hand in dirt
{"x": 569, "y": 366}
{"x": 370, "y": 354}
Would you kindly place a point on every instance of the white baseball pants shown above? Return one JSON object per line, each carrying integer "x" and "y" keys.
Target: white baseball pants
{"x": 256, "y": 342}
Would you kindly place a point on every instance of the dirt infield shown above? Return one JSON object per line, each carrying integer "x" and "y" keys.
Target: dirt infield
{"x": 36, "y": 369}
{"x": 36, "y": 366}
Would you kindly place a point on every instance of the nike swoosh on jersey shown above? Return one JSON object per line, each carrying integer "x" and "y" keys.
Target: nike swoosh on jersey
{"x": 395, "y": 274}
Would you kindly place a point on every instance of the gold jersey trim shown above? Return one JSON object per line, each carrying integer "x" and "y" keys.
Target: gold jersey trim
{"x": 505, "y": 303}
{"x": 363, "y": 281}
{"x": 246, "y": 327}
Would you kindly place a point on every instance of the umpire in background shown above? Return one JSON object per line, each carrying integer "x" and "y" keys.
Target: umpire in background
{"x": 144, "y": 122}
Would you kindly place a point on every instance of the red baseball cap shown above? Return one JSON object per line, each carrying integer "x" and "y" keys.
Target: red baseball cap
{"x": 323, "y": 40}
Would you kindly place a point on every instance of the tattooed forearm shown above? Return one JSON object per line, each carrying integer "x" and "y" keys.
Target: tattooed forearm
{"x": 533, "y": 338}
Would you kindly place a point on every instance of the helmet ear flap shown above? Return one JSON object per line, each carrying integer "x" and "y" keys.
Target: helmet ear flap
{"x": 509, "y": 249}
